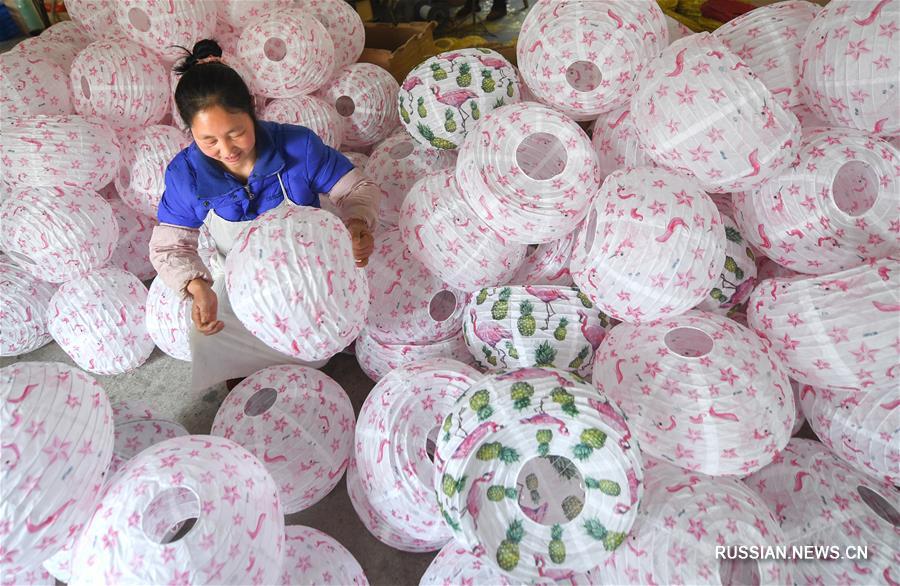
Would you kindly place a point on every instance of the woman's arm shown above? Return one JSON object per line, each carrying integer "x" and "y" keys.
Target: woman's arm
{"x": 356, "y": 197}
{"x": 173, "y": 253}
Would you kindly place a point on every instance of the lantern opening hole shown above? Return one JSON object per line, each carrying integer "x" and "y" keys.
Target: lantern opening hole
{"x": 124, "y": 176}
{"x": 532, "y": 248}
{"x": 85, "y": 87}
{"x": 550, "y": 490}
{"x": 139, "y": 19}
{"x": 442, "y": 305}
{"x": 171, "y": 515}
{"x": 744, "y": 572}
{"x": 689, "y": 342}
{"x": 541, "y": 156}
{"x": 584, "y": 76}
{"x": 855, "y": 188}
{"x": 20, "y": 258}
{"x": 879, "y": 505}
{"x": 402, "y": 150}
{"x": 345, "y": 106}
{"x": 431, "y": 442}
{"x": 260, "y": 402}
{"x": 275, "y": 49}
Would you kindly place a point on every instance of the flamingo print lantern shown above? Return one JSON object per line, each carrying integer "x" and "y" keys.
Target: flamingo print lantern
{"x": 547, "y": 264}
{"x": 161, "y": 28}
{"x": 68, "y": 31}
{"x": 377, "y": 358}
{"x": 310, "y": 111}
{"x": 238, "y": 536}
{"x": 696, "y": 95}
{"x": 616, "y": 142}
{"x": 96, "y": 17}
{"x": 32, "y": 85}
{"x": 530, "y": 172}
{"x": 363, "y": 94}
{"x": 699, "y": 377}
{"x": 343, "y": 23}
{"x": 146, "y": 153}
{"x": 653, "y": 245}
{"x": 27, "y": 577}
{"x": 299, "y": 423}
{"x": 23, "y": 321}
{"x": 169, "y": 320}
{"x": 60, "y": 44}
{"x": 136, "y": 429}
{"x": 57, "y": 440}
{"x": 307, "y": 299}
{"x": 239, "y": 14}
{"x": 455, "y": 564}
{"x": 132, "y": 253}
{"x": 835, "y": 330}
{"x": 313, "y": 557}
{"x": 738, "y": 276}
{"x": 443, "y": 98}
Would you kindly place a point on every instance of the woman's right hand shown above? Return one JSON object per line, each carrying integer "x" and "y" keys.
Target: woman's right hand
{"x": 205, "y": 307}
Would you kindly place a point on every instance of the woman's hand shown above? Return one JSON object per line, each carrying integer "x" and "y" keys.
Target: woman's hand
{"x": 363, "y": 241}
{"x": 205, "y": 307}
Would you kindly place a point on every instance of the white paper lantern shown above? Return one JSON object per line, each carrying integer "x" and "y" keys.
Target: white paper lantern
{"x": 395, "y": 166}
{"x": 36, "y": 576}
{"x": 132, "y": 253}
{"x": 455, "y": 564}
{"x": 849, "y": 67}
{"x": 32, "y": 85}
{"x": 359, "y": 160}
{"x": 96, "y": 17}
{"x": 240, "y": 13}
{"x": 67, "y": 31}
{"x": 738, "y": 276}
{"x": 160, "y": 28}
{"x": 57, "y": 437}
{"x": 653, "y": 245}
{"x": 238, "y": 535}
{"x": 701, "y": 110}
{"x": 311, "y": 112}
{"x": 57, "y": 151}
{"x": 860, "y": 428}
{"x": 616, "y": 143}
{"x": 446, "y": 235}
{"x": 136, "y": 429}
{"x": 836, "y": 206}
{"x": 99, "y": 321}
{"x": 583, "y": 58}
{"x": 677, "y": 29}
{"x": 530, "y": 172}
{"x": 443, "y": 98}
{"x": 145, "y": 155}
{"x": 23, "y": 320}
{"x": 58, "y": 235}
{"x": 364, "y": 95}
{"x": 377, "y": 358}
{"x": 169, "y": 320}
{"x": 701, "y": 391}
{"x": 119, "y": 83}
{"x": 819, "y": 501}
{"x": 397, "y": 427}
{"x": 835, "y": 330}
{"x": 547, "y": 264}
{"x": 313, "y": 557}
{"x": 299, "y": 423}
{"x": 60, "y": 51}
{"x": 307, "y": 299}
{"x": 343, "y": 23}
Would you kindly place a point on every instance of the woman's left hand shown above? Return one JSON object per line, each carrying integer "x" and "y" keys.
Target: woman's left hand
{"x": 363, "y": 241}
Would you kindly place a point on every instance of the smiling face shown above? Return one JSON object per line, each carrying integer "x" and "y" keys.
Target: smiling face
{"x": 227, "y": 137}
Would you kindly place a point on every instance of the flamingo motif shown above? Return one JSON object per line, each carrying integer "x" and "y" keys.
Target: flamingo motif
{"x": 593, "y": 334}
{"x": 491, "y": 334}
{"x": 555, "y": 575}
{"x": 473, "y": 497}
{"x": 411, "y": 82}
{"x": 535, "y": 514}
{"x": 547, "y": 296}
{"x": 456, "y": 98}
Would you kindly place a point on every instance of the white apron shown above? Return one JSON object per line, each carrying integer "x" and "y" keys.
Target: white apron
{"x": 234, "y": 352}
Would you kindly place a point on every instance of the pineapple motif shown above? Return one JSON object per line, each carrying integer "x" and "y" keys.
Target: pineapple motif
{"x": 482, "y": 296}
{"x": 531, "y": 481}
{"x": 464, "y": 79}
{"x": 452, "y": 486}
{"x": 718, "y": 295}
{"x": 613, "y": 540}
{"x": 571, "y": 507}
{"x": 591, "y": 439}
{"x": 500, "y": 308}
{"x": 595, "y": 529}
{"x": 487, "y": 82}
{"x": 544, "y": 437}
{"x": 438, "y": 72}
{"x": 448, "y": 425}
{"x": 544, "y": 355}
{"x": 480, "y": 402}
{"x": 499, "y": 103}
{"x": 449, "y": 121}
{"x": 526, "y": 322}
{"x": 563, "y": 467}
{"x": 404, "y": 113}
{"x": 585, "y": 300}
{"x": 497, "y": 493}
{"x": 580, "y": 358}
{"x": 733, "y": 235}
{"x": 732, "y": 266}
{"x": 449, "y": 520}
{"x": 494, "y": 450}
{"x": 511, "y": 351}
{"x": 521, "y": 393}
{"x": 423, "y": 112}
{"x": 607, "y": 487}
{"x": 508, "y": 550}
{"x": 510, "y": 90}
{"x": 565, "y": 400}
{"x": 560, "y": 332}
{"x": 557, "y": 549}
{"x": 476, "y": 113}
{"x": 749, "y": 252}
{"x": 435, "y": 141}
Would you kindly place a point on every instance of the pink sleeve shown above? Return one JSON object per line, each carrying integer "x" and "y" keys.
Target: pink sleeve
{"x": 173, "y": 253}
{"x": 356, "y": 196}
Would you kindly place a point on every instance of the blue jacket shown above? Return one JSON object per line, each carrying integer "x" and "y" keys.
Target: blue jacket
{"x": 196, "y": 184}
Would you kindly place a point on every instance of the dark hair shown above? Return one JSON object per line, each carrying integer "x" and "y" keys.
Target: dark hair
{"x": 211, "y": 83}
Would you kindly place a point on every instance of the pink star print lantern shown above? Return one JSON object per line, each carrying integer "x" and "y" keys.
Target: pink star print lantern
{"x": 145, "y": 155}
{"x": 616, "y": 142}
{"x": 547, "y": 264}
{"x": 23, "y": 320}
{"x": 698, "y": 380}
{"x": 27, "y": 577}
{"x": 373, "y": 521}
{"x": 344, "y": 25}
{"x": 169, "y": 320}
{"x": 160, "y": 28}
{"x": 377, "y": 358}
{"x": 136, "y": 429}
{"x": 364, "y": 95}
{"x": 57, "y": 440}
{"x": 60, "y": 44}
{"x": 32, "y": 85}
{"x": 132, "y": 253}
{"x": 455, "y": 564}
{"x": 96, "y": 17}
{"x": 313, "y": 557}
{"x": 299, "y": 423}
{"x": 237, "y": 534}
{"x": 311, "y": 112}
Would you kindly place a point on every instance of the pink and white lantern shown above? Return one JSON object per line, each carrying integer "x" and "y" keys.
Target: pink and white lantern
{"x": 695, "y": 381}
{"x": 299, "y": 422}
{"x": 700, "y": 109}
{"x": 359, "y": 160}
{"x": 32, "y": 85}
{"x": 169, "y": 320}
{"x": 377, "y": 358}
{"x": 238, "y": 536}
{"x": 23, "y": 320}
{"x": 343, "y": 23}
{"x": 145, "y": 155}
{"x": 36, "y": 576}
{"x": 446, "y": 235}
{"x": 307, "y": 300}
{"x": 58, "y": 234}
{"x": 738, "y": 276}
{"x": 311, "y": 112}
{"x": 364, "y": 95}
{"x": 96, "y": 17}
{"x": 56, "y": 50}
{"x": 616, "y": 142}
{"x": 68, "y": 31}
{"x": 529, "y": 172}
{"x": 653, "y": 245}
{"x": 132, "y": 253}
{"x": 99, "y": 321}
{"x": 837, "y": 330}
{"x": 397, "y": 427}
{"x": 547, "y": 264}
{"x": 136, "y": 429}
{"x": 455, "y": 564}
{"x": 314, "y": 557}
{"x": 160, "y": 28}
{"x": 57, "y": 440}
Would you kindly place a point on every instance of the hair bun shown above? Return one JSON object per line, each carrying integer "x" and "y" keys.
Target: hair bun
{"x": 202, "y": 49}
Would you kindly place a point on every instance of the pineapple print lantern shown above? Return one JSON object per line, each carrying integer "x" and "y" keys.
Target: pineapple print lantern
{"x": 738, "y": 276}
{"x": 443, "y": 98}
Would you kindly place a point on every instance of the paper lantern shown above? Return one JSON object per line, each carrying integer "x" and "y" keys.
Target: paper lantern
{"x": 160, "y": 28}
{"x": 132, "y": 253}
{"x": 547, "y": 264}
{"x": 848, "y": 65}
{"x": 835, "y": 330}
{"x": 767, "y": 268}
{"x": 343, "y": 23}
{"x": 57, "y": 441}
{"x": 408, "y": 304}
{"x": 56, "y": 151}
{"x": 821, "y": 502}
{"x": 496, "y": 431}
{"x": 457, "y": 565}
{"x": 530, "y": 172}
{"x": 738, "y": 276}
{"x": 67, "y": 31}
{"x": 443, "y": 98}
{"x": 359, "y": 160}
{"x": 36, "y": 576}
{"x": 616, "y": 142}
{"x": 299, "y": 423}
{"x": 317, "y": 558}
{"x": 240, "y": 13}
{"x": 583, "y": 58}
{"x": 834, "y": 207}
{"x": 237, "y": 536}
{"x": 32, "y": 85}
{"x": 23, "y": 321}
{"x": 311, "y": 112}
{"x": 145, "y": 155}
{"x": 701, "y": 392}
{"x": 377, "y": 358}
{"x": 768, "y": 39}
{"x": 290, "y": 54}
{"x": 653, "y": 245}
{"x": 364, "y": 95}
{"x": 98, "y": 320}
{"x": 677, "y": 30}
{"x": 395, "y": 166}
{"x": 58, "y": 235}
{"x": 96, "y": 17}
{"x": 543, "y": 326}
{"x": 397, "y": 427}
{"x": 169, "y": 320}
{"x": 120, "y": 84}
{"x": 136, "y": 431}
{"x": 701, "y": 110}
{"x": 307, "y": 300}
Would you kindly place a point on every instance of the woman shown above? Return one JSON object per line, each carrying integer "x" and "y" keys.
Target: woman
{"x": 237, "y": 168}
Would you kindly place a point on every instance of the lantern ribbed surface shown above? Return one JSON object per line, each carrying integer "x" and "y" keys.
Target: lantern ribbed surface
{"x": 700, "y": 390}
{"x": 58, "y": 51}
{"x": 455, "y": 564}
{"x": 160, "y": 28}
{"x": 136, "y": 429}
{"x": 96, "y": 17}
{"x": 314, "y": 557}
{"x": 547, "y": 264}
{"x": 145, "y": 155}
{"x": 311, "y": 112}
{"x": 36, "y": 576}
{"x": 32, "y": 85}
{"x": 377, "y": 358}
{"x": 738, "y": 276}
{"x": 529, "y": 172}
{"x": 344, "y": 25}
{"x": 132, "y": 253}
{"x": 240, "y": 13}
{"x": 67, "y": 31}
{"x": 169, "y": 320}
{"x": 616, "y": 142}
{"x": 23, "y": 321}
{"x": 364, "y": 95}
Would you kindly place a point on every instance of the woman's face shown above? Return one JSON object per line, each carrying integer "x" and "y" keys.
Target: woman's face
{"x": 225, "y": 136}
